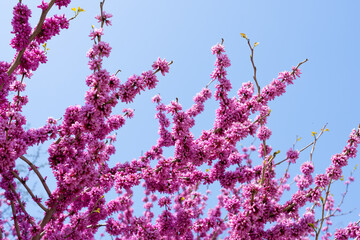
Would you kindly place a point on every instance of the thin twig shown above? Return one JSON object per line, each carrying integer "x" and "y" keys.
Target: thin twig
{"x": 316, "y": 138}
{"x": 343, "y": 197}
{"x": 293, "y": 72}
{"x": 304, "y": 148}
{"x": 254, "y": 67}
{"x": 33, "y": 167}
{"x": 102, "y": 13}
{"x": 19, "y": 200}
{"x": 29, "y": 191}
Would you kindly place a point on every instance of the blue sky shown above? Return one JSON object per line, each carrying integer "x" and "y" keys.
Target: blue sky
{"x": 325, "y": 32}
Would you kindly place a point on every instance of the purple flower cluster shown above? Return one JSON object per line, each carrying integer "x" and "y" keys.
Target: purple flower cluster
{"x": 250, "y": 204}
{"x": 52, "y": 27}
{"x": 135, "y": 84}
{"x": 104, "y": 18}
{"x": 43, "y": 6}
{"x": 263, "y": 133}
{"x": 162, "y": 65}
{"x": 62, "y": 3}
{"x": 21, "y": 26}
{"x": 292, "y": 155}
{"x": 305, "y": 180}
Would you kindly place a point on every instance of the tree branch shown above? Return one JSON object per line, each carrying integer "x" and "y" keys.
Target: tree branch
{"x": 15, "y": 221}
{"x": 254, "y": 67}
{"x": 29, "y": 191}
{"x": 37, "y": 30}
{"x": 33, "y": 167}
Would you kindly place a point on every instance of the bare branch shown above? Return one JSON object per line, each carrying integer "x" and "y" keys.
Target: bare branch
{"x": 33, "y": 167}
{"x": 254, "y": 67}
{"x": 316, "y": 138}
{"x": 304, "y": 148}
{"x": 19, "y": 200}
{"x": 29, "y": 191}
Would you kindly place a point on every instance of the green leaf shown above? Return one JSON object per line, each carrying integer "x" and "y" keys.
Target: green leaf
{"x": 312, "y": 225}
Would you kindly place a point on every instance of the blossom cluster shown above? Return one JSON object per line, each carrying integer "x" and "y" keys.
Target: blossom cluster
{"x": 250, "y": 203}
{"x": 21, "y": 26}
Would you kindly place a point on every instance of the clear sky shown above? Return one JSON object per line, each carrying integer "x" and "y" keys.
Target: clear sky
{"x": 325, "y": 32}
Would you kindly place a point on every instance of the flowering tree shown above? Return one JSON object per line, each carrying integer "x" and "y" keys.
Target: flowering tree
{"x": 249, "y": 205}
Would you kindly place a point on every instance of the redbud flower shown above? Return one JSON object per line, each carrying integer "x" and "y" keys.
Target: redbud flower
{"x": 21, "y": 26}
{"x": 96, "y": 33}
{"x": 286, "y": 77}
{"x": 263, "y": 133}
{"x": 339, "y": 160}
{"x": 61, "y": 3}
{"x": 307, "y": 168}
{"x": 162, "y": 65}
{"x": 156, "y": 99}
{"x": 128, "y": 112}
{"x": 43, "y": 5}
{"x": 164, "y": 201}
{"x": 252, "y": 148}
{"x": 217, "y": 49}
{"x": 292, "y": 155}
{"x": 297, "y": 72}
{"x": 322, "y": 180}
{"x": 105, "y": 17}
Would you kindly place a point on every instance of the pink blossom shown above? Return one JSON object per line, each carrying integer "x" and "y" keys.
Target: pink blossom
{"x": 250, "y": 203}
{"x": 292, "y": 155}
{"x": 217, "y": 49}
{"x": 263, "y": 133}
{"x": 322, "y": 180}
{"x": 104, "y": 17}
{"x": 21, "y": 26}
{"x": 96, "y": 33}
{"x": 162, "y": 65}
{"x": 43, "y": 5}
{"x": 62, "y": 3}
